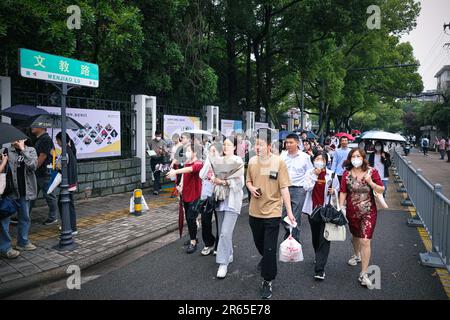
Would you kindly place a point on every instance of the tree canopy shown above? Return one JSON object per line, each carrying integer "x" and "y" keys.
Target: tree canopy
{"x": 239, "y": 54}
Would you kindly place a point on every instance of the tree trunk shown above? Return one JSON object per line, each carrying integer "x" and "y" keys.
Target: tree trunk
{"x": 231, "y": 74}
{"x": 248, "y": 75}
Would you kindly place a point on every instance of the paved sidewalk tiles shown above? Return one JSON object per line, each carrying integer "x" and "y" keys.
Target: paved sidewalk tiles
{"x": 104, "y": 225}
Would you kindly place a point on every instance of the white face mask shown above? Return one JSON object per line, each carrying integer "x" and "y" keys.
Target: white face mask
{"x": 188, "y": 155}
{"x": 319, "y": 164}
{"x": 357, "y": 162}
{"x": 378, "y": 148}
{"x": 158, "y": 138}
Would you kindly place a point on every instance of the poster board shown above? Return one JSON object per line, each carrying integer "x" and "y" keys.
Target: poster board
{"x": 100, "y": 136}
{"x": 228, "y": 126}
{"x": 179, "y": 124}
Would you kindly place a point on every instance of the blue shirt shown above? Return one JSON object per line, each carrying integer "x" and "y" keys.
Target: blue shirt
{"x": 339, "y": 157}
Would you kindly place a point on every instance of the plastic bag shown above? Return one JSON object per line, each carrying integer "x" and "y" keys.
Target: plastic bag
{"x": 55, "y": 181}
{"x": 291, "y": 250}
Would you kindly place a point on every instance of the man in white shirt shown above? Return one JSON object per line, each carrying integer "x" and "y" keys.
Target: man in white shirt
{"x": 297, "y": 163}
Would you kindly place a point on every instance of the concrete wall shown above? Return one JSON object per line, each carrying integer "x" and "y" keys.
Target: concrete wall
{"x": 105, "y": 177}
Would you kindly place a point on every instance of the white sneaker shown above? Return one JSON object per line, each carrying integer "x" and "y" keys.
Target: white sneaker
{"x": 207, "y": 251}
{"x": 354, "y": 260}
{"x": 365, "y": 281}
{"x": 222, "y": 272}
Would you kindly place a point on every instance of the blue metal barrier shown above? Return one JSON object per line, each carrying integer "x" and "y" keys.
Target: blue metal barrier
{"x": 432, "y": 209}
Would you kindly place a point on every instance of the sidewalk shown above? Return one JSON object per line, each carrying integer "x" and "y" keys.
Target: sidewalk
{"x": 433, "y": 169}
{"x": 105, "y": 229}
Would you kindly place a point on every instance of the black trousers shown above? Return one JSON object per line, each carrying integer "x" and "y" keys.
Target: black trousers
{"x": 191, "y": 217}
{"x": 265, "y": 235}
{"x": 448, "y": 155}
{"x": 156, "y": 174}
{"x": 320, "y": 244}
{"x": 207, "y": 235}
{"x": 72, "y": 212}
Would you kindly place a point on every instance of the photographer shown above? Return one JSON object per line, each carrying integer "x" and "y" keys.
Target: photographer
{"x": 22, "y": 161}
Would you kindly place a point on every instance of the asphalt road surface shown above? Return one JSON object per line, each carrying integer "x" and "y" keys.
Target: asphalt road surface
{"x": 170, "y": 273}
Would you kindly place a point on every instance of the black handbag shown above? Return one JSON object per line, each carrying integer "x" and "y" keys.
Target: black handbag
{"x": 330, "y": 214}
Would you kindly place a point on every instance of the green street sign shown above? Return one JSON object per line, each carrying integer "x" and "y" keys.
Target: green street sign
{"x": 44, "y": 66}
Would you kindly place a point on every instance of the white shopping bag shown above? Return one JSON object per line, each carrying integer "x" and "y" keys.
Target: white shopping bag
{"x": 291, "y": 250}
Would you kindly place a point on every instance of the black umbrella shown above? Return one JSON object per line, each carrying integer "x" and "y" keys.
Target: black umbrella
{"x": 22, "y": 112}
{"x": 51, "y": 121}
{"x": 10, "y": 134}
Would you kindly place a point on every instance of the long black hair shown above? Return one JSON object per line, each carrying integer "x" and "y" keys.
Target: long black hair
{"x": 69, "y": 142}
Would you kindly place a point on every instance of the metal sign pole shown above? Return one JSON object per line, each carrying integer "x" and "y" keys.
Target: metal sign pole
{"x": 66, "y": 241}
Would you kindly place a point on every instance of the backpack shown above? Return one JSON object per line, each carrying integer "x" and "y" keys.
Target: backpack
{"x": 425, "y": 142}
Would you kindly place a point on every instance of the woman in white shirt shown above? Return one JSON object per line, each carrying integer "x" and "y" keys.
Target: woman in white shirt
{"x": 229, "y": 209}
{"x": 318, "y": 187}
{"x": 381, "y": 161}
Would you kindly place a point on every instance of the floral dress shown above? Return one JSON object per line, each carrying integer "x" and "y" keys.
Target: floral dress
{"x": 361, "y": 207}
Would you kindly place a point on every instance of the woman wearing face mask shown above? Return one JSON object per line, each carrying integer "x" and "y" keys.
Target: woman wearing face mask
{"x": 191, "y": 190}
{"x": 318, "y": 186}
{"x": 381, "y": 161}
{"x": 357, "y": 187}
{"x": 229, "y": 209}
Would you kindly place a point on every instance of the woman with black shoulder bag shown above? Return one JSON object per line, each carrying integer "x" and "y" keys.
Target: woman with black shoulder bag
{"x": 320, "y": 185}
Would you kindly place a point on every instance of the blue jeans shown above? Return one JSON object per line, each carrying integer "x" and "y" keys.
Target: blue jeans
{"x": 298, "y": 196}
{"x": 385, "y": 184}
{"x": 23, "y": 227}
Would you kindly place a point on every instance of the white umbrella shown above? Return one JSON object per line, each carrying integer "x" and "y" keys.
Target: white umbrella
{"x": 381, "y": 135}
{"x": 198, "y": 131}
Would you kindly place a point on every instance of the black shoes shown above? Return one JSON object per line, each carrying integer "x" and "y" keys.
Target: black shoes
{"x": 266, "y": 290}
{"x": 191, "y": 248}
{"x": 320, "y": 276}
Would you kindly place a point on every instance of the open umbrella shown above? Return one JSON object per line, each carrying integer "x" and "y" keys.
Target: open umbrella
{"x": 381, "y": 135}
{"x": 198, "y": 131}
{"x": 283, "y": 134}
{"x": 311, "y": 135}
{"x": 10, "y": 134}
{"x": 22, "y": 112}
{"x": 344, "y": 134}
{"x": 51, "y": 121}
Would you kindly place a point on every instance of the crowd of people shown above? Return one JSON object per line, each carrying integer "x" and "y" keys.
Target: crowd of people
{"x": 29, "y": 166}
{"x": 284, "y": 180}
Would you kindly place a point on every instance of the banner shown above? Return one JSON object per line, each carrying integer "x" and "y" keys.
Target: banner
{"x": 259, "y": 125}
{"x": 228, "y": 126}
{"x": 179, "y": 124}
{"x": 100, "y": 136}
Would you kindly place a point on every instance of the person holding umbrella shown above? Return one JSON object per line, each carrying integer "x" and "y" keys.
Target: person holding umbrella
{"x": 381, "y": 161}
{"x": 22, "y": 162}
{"x": 191, "y": 190}
{"x": 44, "y": 146}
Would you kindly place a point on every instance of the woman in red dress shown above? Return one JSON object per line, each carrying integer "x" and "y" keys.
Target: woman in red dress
{"x": 357, "y": 185}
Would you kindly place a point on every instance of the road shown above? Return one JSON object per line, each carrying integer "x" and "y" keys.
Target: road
{"x": 169, "y": 273}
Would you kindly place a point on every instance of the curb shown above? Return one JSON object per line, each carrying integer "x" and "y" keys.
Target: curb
{"x": 22, "y": 284}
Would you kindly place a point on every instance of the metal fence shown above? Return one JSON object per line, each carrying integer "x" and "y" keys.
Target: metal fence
{"x": 432, "y": 208}
{"x": 122, "y": 104}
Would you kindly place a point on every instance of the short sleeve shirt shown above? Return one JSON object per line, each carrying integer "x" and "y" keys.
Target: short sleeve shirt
{"x": 270, "y": 176}
{"x": 192, "y": 183}
{"x": 44, "y": 145}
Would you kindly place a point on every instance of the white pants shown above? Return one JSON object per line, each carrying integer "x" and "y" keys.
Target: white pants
{"x": 227, "y": 222}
